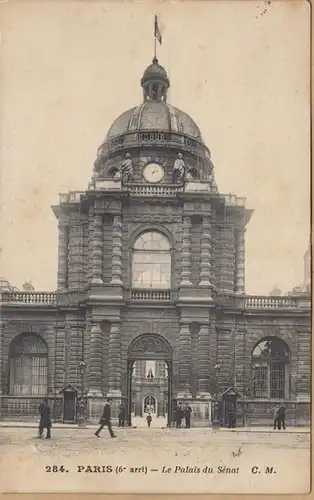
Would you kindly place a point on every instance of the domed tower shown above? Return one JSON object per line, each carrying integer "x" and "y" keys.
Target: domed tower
{"x": 154, "y": 124}
{"x": 151, "y": 252}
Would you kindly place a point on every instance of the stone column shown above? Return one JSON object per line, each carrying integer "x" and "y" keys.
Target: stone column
{"x": 203, "y": 360}
{"x": 186, "y": 252}
{"x": 240, "y": 261}
{"x": 90, "y": 251}
{"x": 185, "y": 362}
{"x": 62, "y": 256}
{"x": 205, "y": 274}
{"x": 116, "y": 251}
{"x": 95, "y": 369}
{"x": 114, "y": 361}
{"x": 97, "y": 250}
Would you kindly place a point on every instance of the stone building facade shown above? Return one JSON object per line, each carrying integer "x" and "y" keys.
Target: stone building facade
{"x": 151, "y": 267}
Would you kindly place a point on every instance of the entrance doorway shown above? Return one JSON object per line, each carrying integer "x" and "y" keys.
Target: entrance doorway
{"x": 154, "y": 348}
{"x": 150, "y": 405}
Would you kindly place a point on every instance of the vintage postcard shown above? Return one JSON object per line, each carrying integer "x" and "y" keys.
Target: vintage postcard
{"x": 155, "y": 332}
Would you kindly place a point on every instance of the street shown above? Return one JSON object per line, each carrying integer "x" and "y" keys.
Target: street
{"x": 154, "y": 460}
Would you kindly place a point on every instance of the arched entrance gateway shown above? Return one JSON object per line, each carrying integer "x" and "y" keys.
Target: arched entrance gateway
{"x": 153, "y": 347}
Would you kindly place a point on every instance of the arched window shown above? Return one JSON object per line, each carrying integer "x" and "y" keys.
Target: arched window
{"x": 151, "y": 263}
{"x": 271, "y": 360}
{"x": 28, "y": 366}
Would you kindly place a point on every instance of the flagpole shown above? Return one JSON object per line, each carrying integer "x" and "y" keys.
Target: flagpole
{"x": 155, "y": 47}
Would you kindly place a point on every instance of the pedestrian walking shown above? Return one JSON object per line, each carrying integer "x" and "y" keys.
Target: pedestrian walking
{"x": 45, "y": 418}
{"x": 281, "y": 417}
{"x": 187, "y": 415}
{"x": 121, "y": 415}
{"x": 149, "y": 419}
{"x": 105, "y": 420}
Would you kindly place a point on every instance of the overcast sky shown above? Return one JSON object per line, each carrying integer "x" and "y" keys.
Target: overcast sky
{"x": 240, "y": 69}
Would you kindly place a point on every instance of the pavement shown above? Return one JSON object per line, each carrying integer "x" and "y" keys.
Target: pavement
{"x": 157, "y": 423}
{"x": 154, "y": 460}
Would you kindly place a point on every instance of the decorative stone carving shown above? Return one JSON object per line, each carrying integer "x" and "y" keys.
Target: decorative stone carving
{"x": 149, "y": 345}
{"x": 127, "y": 169}
{"x": 179, "y": 170}
{"x": 116, "y": 251}
{"x": 186, "y": 252}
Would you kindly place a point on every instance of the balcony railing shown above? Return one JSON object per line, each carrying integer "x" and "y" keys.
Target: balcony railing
{"x": 154, "y": 295}
{"x": 153, "y": 190}
{"x": 46, "y": 298}
{"x": 262, "y": 302}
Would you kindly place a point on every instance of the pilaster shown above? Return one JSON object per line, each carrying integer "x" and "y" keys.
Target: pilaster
{"x": 186, "y": 252}
{"x": 95, "y": 372}
{"x": 62, "y": 256}
{"x": 185, "y": 362}
{"x": 75, "y": 273}
{"x": 97, "y": 249}
{"x": 240, "y": 262}
{"x": 227, "y": 259}
{"x": 116, "y": 251}
{"x": 205, "y": 274}
{"x": 90, "y": 251}
{"x": 114, "y": 361}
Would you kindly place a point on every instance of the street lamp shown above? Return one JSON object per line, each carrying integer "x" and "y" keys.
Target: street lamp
{"x": 216, "y": 423}
{"x": 81, "y": 409}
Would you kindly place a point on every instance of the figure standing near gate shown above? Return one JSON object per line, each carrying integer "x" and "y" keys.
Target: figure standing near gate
{"x": 121, "y": 415}
{"x": 45, "y": 418}
{"x": 105, "y": 420}
{"x": 187, "y": 414}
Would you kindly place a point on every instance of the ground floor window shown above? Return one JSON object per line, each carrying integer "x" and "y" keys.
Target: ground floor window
{"x": 28, "y": 366}
{"x": 271, "y": 364}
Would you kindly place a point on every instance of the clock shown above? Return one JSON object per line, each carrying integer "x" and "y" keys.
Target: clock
{"x": 153, "y": 172}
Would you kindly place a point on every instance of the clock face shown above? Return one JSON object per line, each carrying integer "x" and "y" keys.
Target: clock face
{"x": 153, "y": 172}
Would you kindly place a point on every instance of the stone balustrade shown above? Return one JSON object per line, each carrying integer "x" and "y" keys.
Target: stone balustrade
{"x": 154, "y": 295}
{"x": 71, "y": 197}
{"x": 46, "y": 298}
{"x": 153, "y": 190}
{"x": 262, "y": 302}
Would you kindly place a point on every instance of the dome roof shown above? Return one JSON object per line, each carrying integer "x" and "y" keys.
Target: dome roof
{"x": 155, "y": 71}
{"x": 154, "y": 115}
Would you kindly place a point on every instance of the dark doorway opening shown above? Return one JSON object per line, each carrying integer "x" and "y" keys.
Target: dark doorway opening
{"x": 69, "y": 404}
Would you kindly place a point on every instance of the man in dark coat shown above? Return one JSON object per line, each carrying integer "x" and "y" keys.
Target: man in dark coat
{"x": 121, "y": 415}
{"x": 281, "y": 417}
{"x": 231, "y": 416}
{"x": 45, "y": 418}
{"x": 105, "y": 420}
{"x": 187, "y": 414}
{"x": 179, "y": 415}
